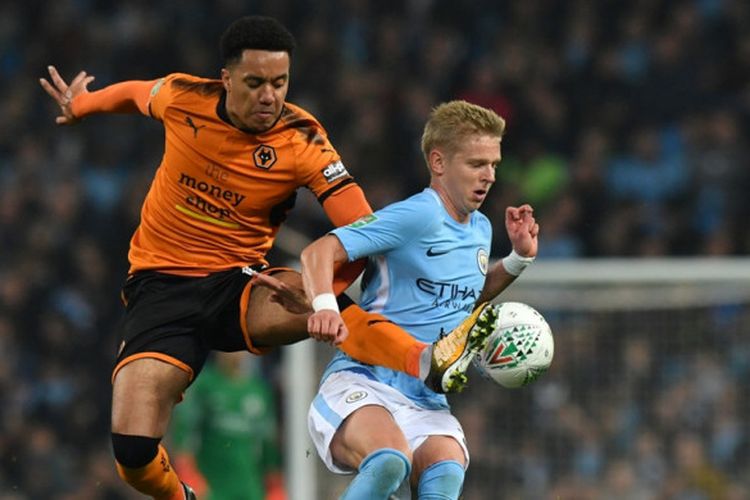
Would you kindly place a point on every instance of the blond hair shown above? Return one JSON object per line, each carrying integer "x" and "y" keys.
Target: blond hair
{"x": 451, "y": 122}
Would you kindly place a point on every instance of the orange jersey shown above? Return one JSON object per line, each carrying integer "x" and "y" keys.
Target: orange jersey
{"x": 220, "y": 194}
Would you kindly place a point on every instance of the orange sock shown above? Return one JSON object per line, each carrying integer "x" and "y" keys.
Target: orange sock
{"x": 375, "y": 340}
{"x": 156, "y": 479}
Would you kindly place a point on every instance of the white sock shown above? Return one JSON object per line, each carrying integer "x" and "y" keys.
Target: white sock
{"x": 425, "y": 362}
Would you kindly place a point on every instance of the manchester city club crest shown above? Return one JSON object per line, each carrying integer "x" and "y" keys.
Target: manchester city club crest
{"x": 483, "y": 260}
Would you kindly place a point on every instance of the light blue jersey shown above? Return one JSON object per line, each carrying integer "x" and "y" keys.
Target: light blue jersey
{"x": 425, "y": 274}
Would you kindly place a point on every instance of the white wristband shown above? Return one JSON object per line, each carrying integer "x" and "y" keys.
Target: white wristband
{"x": 514, "y": 264}
{"x": 325, "y": 301}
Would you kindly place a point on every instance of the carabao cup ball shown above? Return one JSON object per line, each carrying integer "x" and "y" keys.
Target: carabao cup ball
{"x": 520, "y": 349}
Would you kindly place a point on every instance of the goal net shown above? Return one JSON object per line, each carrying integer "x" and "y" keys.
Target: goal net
{"x": 647, "y": 396}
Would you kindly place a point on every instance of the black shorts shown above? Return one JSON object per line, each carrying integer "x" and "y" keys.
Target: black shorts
{"x": 180, "y": 319}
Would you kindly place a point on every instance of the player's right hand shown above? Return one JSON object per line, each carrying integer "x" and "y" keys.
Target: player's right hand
{"x": 64, "y": 94}
{"x": 328, "y": 326}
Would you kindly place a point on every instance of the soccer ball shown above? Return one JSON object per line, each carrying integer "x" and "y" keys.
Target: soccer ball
{"x": 520, "y": 349}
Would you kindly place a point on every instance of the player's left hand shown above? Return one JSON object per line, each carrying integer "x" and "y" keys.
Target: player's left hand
{"x": 523, "y": 230}
{"x": 291, "y": 298}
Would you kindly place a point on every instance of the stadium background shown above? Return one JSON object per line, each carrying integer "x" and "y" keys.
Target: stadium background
{"x": 627, "y": 130}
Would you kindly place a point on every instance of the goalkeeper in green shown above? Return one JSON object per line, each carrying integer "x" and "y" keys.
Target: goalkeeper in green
{"x": 225, "y": 434}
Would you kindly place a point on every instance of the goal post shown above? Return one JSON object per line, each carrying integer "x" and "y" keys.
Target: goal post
{"x": 653, "y": 283}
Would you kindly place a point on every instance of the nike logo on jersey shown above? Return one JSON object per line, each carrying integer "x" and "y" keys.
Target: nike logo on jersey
{"x": 435, "y": 253}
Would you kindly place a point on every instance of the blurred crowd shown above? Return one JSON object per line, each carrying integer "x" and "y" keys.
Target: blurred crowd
{"x": 628, "y": 129}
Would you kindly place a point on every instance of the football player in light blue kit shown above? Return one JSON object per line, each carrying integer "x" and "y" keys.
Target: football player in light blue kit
{"x": 429, "y": 269}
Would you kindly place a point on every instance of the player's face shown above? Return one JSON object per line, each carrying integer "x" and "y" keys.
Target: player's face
{"x": 256, "y": 88}
{"x": 468, "y": 173}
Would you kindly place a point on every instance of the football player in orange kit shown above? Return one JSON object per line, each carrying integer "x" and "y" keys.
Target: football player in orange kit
{"x": 235, "y": 153}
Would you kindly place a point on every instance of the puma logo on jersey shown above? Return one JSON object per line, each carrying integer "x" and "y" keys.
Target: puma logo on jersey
{"x": 192, "y": 125}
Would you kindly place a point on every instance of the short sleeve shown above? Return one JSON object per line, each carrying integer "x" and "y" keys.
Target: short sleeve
{"x": 389, "y": 228}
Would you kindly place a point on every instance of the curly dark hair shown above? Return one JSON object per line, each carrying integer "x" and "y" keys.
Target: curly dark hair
{"x": 254, "y": 32}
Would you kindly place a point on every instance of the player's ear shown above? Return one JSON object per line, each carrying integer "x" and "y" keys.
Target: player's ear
{"x": 226, "y": 80}
{"x": 437, "y": 161}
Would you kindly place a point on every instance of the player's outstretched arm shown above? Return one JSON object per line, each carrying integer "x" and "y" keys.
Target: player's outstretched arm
{"x": 63, "y": 94}
{"x": 76, "y": 101}
{"x": 523, "y": 232}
